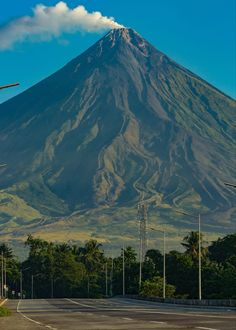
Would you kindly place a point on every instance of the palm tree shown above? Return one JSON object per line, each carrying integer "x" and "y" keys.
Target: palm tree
{"x": 6, "y": 251}
{"x": 191, "y": 243}
{"x": 92, "y": 257}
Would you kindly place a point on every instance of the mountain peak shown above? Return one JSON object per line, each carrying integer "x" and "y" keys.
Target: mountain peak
{"x": 125, "y": 34}
{"x": 126, "y": 38}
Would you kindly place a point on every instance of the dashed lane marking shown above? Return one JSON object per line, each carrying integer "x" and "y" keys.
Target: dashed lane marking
{"x": 127, "y": 318}
{"x": 204, "y": 328}
{"x": 157, "y": 322}
{"x": 151, "y": 311}
{"x": 84, "y": 305}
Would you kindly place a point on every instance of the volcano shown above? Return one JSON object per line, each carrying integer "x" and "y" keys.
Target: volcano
{"x": 119, "y": 123}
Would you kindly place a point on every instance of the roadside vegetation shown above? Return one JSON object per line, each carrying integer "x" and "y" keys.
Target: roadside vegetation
{"x": 4, "y": 311}
{"x": 63, "y": 270}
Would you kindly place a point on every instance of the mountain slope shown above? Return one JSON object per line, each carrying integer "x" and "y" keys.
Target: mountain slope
{"x": 119, "y": 122}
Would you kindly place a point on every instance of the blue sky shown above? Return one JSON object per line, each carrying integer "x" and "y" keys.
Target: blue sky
{"x": 200, "y": 35}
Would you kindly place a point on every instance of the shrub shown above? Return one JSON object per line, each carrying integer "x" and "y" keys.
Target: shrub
{"x": 153, "y": 288}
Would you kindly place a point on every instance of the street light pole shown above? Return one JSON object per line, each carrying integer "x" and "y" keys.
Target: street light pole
{"x": 123, "y": 270}
{"x": 140, "y": 263}
{"x": 2, "y": 284}
{"x": 111, "y": 277}
{"x": 106, "y": 279}
{"x": 199, "y": 251}
{"x": 32, "y": 286}
{"x": 52, "y": 284}
{"x": 5, "y": 277}
{"x": 164, "y": 265}
{"x": 21, "y": 280}
{"x": 164, "y": 259}
{"x": 199, "y": 259}
{"x": 10, "y": 85}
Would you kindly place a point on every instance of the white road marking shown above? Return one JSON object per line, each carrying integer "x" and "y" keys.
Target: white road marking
{"x": 206, "y": 328}
{"x": 127, "y": 318}
{"x": 157, "y": 322}
{"x": 31, "y": 320}
{"x": 188, "y": 314}
{"x": 151, "y": 311}
{"x": 84, "y": 305}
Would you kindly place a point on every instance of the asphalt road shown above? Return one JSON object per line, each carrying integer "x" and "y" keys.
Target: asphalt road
{"x": 112, "y": 314}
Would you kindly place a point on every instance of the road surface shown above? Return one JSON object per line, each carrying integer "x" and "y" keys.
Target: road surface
{"x": 112, "y": 314}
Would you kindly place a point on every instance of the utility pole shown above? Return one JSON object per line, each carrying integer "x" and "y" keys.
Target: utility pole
{"x": 106, "y": 279}
{"x": 21, "y": 280}
{"x": 111, "y": 277}
{"x": 32, "y": 286}
{"x": 164, "y": 259}
{"x": 2, "y": 281}
{"x": 142, "y": 218}
{"x": 164, "y": 265}
{"x": 199, "y": 251}
{"x": 199, "y": 258}
{"x": 5, "y": 277}
{"x": 52, "y": 284}
{"x": 10, "y": 85}
{"x": 123, "y": 270}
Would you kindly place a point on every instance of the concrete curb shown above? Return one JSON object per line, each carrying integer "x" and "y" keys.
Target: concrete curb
{"x": 3, "y": 302}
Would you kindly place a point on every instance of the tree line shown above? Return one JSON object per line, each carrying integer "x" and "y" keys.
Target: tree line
{"x": 63, "y": 270}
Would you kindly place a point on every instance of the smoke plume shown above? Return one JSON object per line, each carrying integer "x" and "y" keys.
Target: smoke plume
{"x": 51, "y": 22}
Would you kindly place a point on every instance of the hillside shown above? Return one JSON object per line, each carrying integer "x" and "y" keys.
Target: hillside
{"x": 118, "y": 123}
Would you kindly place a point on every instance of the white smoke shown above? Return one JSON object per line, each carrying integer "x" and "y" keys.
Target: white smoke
{"x": 50, "y": 22}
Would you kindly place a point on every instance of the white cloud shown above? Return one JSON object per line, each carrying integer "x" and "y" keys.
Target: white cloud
{"x": 50, "y": 22}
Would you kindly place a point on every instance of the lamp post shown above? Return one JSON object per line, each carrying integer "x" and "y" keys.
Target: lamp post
{"x": 9, "y": 85}
{"x": 32, "y": 284}
{"x": 199, "y": 251}
{"x": 52, "y": 287}
{"x": 106, "y": 281}
{"x": 164, "y": 259}
{"x": 2, "y": 277}
{"x": 111, "y": 277}
{"x": 5, "y": 277}
{"x": 123, "y": 262}
{"x": 21, "y": 281}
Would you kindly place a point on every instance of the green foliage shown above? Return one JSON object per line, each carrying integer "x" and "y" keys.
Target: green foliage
{"x": 224, "y": 249}
{"x": 4, "y": 311}
{"x": 153, "y": 265}
{"x": 191, "y": 244}
{"x": 131, "y": 272}
{"x": 64, "y": 270}
{"x": 153, "y": 288}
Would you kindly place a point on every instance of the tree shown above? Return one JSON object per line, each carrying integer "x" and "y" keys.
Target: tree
{"x": 93, "y": 259}
{"x": 224, "y": 249}
{"x": 181, "y": 272}
{"x": 153, "y": 264}
{"x": 153, "y": 288}
{"x": 131, "y": 272}
{"x": 191, "y": 243}
{"x": 6, "y": 251}
{"x": 12, "y": 267}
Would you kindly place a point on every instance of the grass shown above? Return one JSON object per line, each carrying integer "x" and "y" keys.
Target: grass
{"x": 4, "y": 311}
